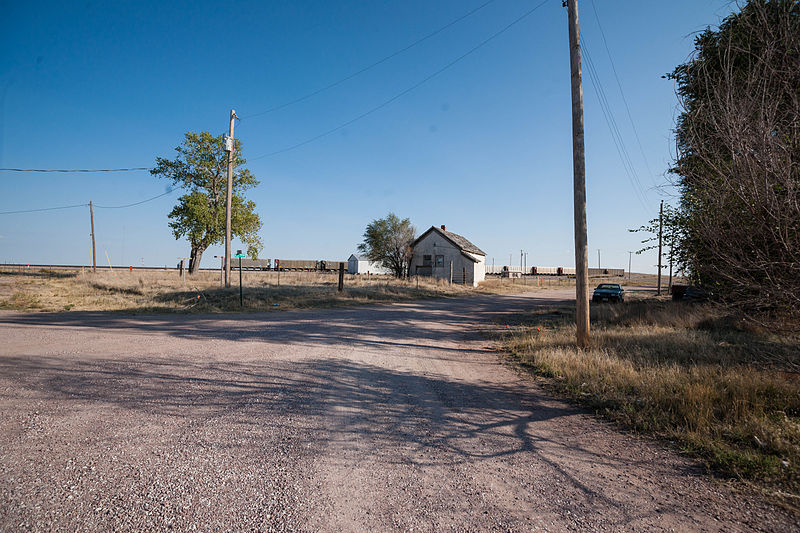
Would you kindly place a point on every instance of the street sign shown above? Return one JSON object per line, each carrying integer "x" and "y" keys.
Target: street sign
{"x": 239, "y": 254}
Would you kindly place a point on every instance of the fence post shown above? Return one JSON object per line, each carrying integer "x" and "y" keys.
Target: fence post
{"x": 341, "y": 277}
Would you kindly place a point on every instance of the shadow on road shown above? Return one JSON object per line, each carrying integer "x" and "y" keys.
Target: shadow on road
{"x": 430, "y": 324}
{"x": 390, "y": 414}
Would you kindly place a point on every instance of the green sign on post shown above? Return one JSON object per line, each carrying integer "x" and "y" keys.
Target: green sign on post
{"x": 239, "y": 254}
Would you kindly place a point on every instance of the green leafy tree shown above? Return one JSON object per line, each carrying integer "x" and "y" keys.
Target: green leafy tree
{"x": 201, "y": 168}
{"x": 672, "y": 228}
{"x": 388, "y": 241}
{"x": 738, "y": 159}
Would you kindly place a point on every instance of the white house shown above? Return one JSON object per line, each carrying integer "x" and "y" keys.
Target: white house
{"x": 443, "y": 254}
{"x": 362, "y": 265}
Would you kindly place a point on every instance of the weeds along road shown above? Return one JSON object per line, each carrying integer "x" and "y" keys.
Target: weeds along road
{"x": 384, "y": 418}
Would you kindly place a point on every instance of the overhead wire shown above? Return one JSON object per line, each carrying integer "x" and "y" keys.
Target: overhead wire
{"x": 622, "y": 93}
{"x": 616, "y": 136}
{"x": 135, "y": 203}
{"x": 407, "y": 90}
{"x": 74, "y": 169}
{"x": 87, "y": 205}
{"x": 371, "y": 65}
{"x": 611, "y": 122}
{"x": 43, "y": 209}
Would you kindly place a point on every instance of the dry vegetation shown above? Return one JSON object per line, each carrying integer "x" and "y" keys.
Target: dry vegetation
{"x": 722, "y": 391}
{"x": 164, "y": 291}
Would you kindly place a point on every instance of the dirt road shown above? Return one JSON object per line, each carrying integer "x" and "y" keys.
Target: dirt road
{"x": 383, "y": 418}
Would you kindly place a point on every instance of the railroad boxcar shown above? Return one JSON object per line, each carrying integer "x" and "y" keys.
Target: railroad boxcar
{"x": 252, "y": 264}
{"x": 295, "y": 264}
{"x": 330, "y": 265}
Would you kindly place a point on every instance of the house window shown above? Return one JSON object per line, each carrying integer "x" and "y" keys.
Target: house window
{"x": 426, "y": 260}
{"x": 439, "y": 260}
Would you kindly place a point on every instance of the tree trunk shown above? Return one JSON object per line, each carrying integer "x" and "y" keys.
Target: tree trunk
{"x": 194, "y": 258}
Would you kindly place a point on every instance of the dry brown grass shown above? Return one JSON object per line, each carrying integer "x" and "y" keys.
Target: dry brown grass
{"x": 165, "y": 291}
{"x": 686, "y": 373}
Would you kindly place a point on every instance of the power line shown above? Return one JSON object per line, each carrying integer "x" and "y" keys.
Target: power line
{"x": 405, "y": 91}
{"x": 74, "y": 169}
{"x": 42, "y": 209}
{"x": 86, "y": 205}
{"x": 611, "y": 122}
{"x": 370, "y": 66}
{"x": 622, "y": 93}
{"x": 135, "y": 203}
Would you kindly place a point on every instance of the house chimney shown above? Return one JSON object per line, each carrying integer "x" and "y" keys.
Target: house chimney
{"x": 444, "y": 228}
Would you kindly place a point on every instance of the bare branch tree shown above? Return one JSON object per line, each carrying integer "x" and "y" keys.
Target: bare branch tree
{"x": 738, "y": 164}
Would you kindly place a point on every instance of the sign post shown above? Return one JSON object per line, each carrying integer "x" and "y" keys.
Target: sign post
{"x": 239, "y": 254}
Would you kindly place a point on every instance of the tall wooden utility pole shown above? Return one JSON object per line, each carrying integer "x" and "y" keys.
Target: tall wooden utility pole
{"x": 660, "y": 222}
{"x": 229, "y": 149}
{"x": 630, "y": 255}
{"x": 579, "y": 180}
{"x": 94, "y": 255}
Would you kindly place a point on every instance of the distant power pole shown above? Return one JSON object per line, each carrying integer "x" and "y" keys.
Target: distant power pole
{"x": 598, "y": 259}
{"x": 660, "y": 221}
{"x": 94, "y": 254}
{"x": 229, "y": 149}
{"x": 579, "y": 181}
{"x": 630, "y": 255}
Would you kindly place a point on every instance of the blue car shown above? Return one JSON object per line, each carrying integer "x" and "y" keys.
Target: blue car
{"x": 608, "y": 292}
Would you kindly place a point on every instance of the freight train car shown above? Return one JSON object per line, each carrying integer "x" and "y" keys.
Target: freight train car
{"x": 601, "y": 272}
{"x": 330, "y": 266}
{"x": 295, "y": 264}
{"x": 252, "y": 264}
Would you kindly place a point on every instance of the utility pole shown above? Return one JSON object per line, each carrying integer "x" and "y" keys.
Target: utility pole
{"x": 229, "y": 149}
{"x": 520, "y": 260}
{"x": 630, "y": 255}
{"x": 598, "y": 259}
{"x": 94, "y": 255}
{"x": 579, "y": 181}
{"x": 660, "y": 221}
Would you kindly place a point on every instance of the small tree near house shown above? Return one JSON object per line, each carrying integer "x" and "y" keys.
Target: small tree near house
{"x": 388, "y": 241}
{"x": 201, "y": 169}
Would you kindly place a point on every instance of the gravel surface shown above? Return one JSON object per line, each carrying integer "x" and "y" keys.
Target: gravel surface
{"x": 386, "y": 418}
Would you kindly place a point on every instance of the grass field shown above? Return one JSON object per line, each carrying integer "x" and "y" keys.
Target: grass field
{"x": 164, "y": 291}
{"x": 719, "y": 389}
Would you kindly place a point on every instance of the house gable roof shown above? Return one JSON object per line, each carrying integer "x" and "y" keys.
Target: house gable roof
{"x": 458, "y": 241}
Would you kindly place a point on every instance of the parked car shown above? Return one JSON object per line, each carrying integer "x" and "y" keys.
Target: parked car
{"x": 608, "y": 292}
{"x": 695, "y": 294}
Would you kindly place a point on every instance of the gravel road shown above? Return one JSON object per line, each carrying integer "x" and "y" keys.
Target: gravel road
{"x": 387, "y": 418}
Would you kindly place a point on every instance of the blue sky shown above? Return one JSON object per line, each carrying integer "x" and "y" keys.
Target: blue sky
{"x": 484, "y": 147}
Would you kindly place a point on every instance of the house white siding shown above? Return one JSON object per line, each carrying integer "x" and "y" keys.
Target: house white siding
{"x": 434, "y": 254}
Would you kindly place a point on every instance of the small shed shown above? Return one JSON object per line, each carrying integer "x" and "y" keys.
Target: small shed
{"x": 362, "y": 265}
{"x": 443, "y": 254}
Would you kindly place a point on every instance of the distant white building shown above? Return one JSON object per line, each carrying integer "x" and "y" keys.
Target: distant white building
{"x": 441, "y": 254}
{"x": 362, "y": 265}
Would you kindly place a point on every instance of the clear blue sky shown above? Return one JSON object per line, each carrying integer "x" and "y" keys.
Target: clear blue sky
{"x": 484, "y": 147}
